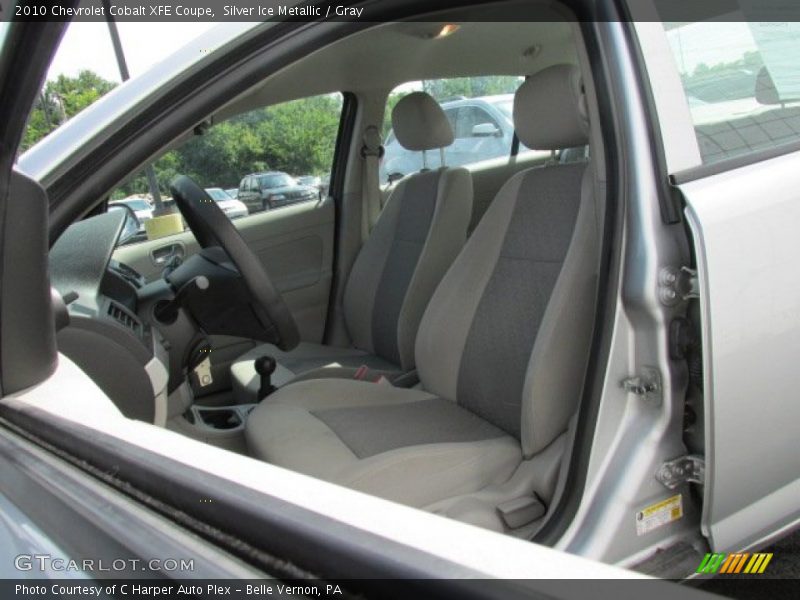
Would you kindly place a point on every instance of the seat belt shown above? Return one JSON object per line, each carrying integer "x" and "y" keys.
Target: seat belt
{"x": 371, "y": 152}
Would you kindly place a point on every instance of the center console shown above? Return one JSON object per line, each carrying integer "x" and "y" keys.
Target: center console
{"x": 218, "y": 419}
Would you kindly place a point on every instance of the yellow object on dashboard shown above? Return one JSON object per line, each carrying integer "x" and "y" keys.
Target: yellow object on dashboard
{"x": 162, "y": 226}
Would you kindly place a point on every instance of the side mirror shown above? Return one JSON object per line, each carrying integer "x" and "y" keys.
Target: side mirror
{"x": 131, "y": 228}
{"x": 486, "y": 130}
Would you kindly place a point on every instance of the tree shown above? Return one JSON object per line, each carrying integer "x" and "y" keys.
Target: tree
{"x": 60, "y": 100}
{"x": 297, "y": 137}
{"x": 471, "y": 87}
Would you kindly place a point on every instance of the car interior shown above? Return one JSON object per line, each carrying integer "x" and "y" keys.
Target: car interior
{"x": 425, "y": 342}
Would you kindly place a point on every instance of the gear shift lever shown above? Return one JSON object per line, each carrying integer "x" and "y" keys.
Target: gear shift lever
{"x": 265, "y": 367}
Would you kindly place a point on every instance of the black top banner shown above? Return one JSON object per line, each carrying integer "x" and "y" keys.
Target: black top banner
{"x": 374, "y": 10}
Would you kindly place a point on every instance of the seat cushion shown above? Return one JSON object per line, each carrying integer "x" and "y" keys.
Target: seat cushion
{"x": 305, "y": 361}
{"x": 404, "y": 445}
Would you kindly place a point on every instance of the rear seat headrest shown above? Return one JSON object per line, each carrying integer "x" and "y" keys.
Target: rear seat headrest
{"x": 550, "y": 110}
{"x": 419, "y": 123}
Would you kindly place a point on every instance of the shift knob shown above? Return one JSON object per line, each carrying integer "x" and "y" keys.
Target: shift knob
{"x": 265, "y": 367}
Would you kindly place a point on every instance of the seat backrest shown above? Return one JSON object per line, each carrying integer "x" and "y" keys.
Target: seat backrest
{"x": 507, "y": 332}
{"x": 419, "y": 233}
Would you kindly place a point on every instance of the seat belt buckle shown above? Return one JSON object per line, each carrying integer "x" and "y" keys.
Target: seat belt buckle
{"x": 362, "y": 373}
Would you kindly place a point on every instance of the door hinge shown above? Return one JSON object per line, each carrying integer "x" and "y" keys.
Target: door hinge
{"x": 646, "y": 385}
{"x": 677, "y": 285}
{"x": 686, "y": 469}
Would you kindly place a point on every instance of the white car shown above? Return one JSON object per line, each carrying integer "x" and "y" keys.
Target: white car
{"x": 233, "y": 208}
{"x": 140, "y": 206}
{"x": 549, "y": 364}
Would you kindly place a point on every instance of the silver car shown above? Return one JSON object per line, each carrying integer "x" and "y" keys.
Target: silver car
{"x": 140, "y": 206}
{"x": 232, "y": 208}
{"x": 483, "y": 130}
{"x": 550, "y": 365}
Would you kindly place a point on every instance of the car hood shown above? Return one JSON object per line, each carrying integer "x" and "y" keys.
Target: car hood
{"x": 231, "y": 204}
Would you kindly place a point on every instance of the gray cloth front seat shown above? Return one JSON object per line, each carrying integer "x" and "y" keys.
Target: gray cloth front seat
{"x": 419, "y": 233}
{"x": 502, "y": 347}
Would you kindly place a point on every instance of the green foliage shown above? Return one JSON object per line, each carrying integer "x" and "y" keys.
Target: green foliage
{"x": 61, "y": 100}
{"x": 297, "y": 137}
{"x": 726, "y": 80}
{"x": 471, "y": 87}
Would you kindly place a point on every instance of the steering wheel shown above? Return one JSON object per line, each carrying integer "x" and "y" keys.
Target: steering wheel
{"x": 212, "y": 228}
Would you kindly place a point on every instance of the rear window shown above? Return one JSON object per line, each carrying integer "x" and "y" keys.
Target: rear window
{"x": 742, "y": 84}
{"x": 480, "y": 112}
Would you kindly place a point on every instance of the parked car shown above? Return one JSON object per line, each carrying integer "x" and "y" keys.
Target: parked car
{"x": 483, "y": 130}
{"x": 272, "y": 189}
{"x": 314, "y": 181}
{"x": 234, "y": 209}
{"x": 140, "y": 206}
{"x": 232, "y": 192}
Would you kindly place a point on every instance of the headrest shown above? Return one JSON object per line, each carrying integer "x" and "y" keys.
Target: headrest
{"x": 419, "y": 123}
{"x": 766, "y": 92}
{"x": 550, "y": 110}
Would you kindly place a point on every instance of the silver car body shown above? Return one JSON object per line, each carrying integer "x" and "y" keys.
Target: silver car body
{"x": 742, "y": 222}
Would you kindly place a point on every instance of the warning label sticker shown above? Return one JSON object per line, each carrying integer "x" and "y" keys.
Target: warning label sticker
{"x": 659, "y": 514}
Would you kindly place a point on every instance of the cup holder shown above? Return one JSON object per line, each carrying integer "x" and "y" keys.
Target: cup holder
{"x": 220, "y": 418}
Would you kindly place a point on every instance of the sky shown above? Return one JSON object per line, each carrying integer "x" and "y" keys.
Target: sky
{"x": 88, "y": 46}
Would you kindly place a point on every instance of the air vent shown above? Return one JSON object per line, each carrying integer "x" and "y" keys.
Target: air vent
{"x": 119, "y": 314}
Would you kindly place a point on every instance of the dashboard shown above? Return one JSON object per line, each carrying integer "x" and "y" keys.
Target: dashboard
{"x": 107, "y": 335}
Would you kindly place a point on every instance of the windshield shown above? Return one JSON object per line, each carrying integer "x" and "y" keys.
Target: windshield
{"x": 279, "y": 180}
{"x": 85, "y": 67}
{"x": 218, "y": 194}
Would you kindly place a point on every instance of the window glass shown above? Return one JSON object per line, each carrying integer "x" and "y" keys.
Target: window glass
{"x": 742, "y": 84}
{"x": 85, "y": 68}
{"x": 478, "y": 108}
{"x": 262, "y": 153}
